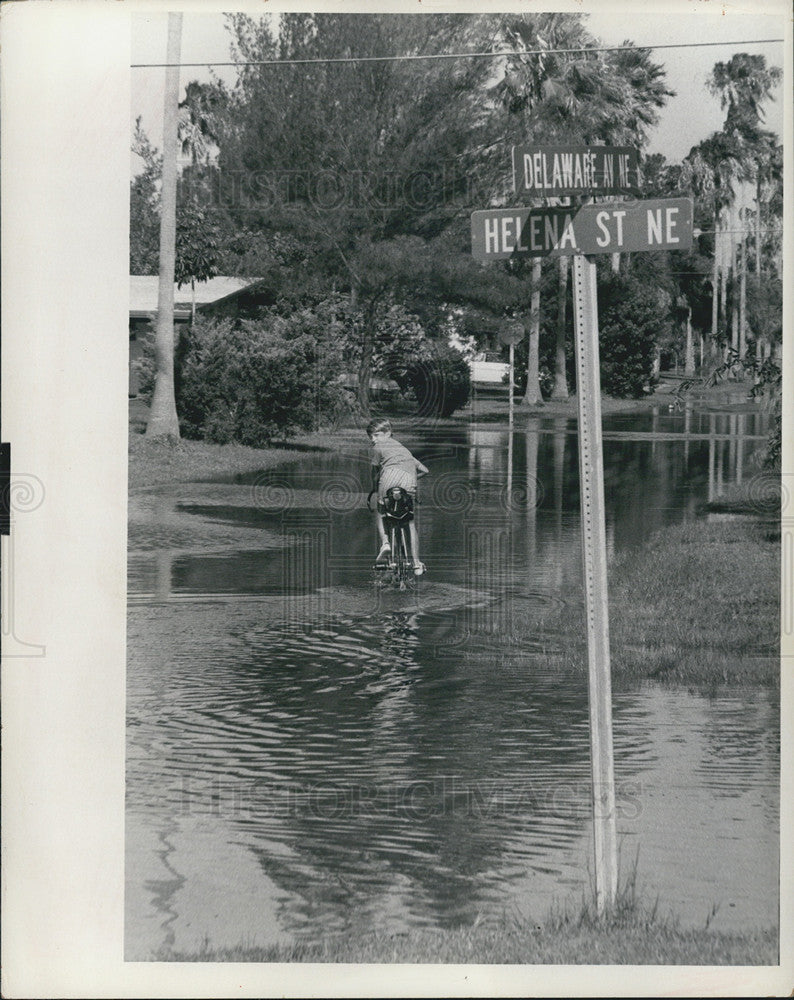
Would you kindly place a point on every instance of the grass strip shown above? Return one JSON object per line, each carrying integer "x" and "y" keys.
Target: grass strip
{"x": 634, "y": 936}
{"x": 698, "y": 604}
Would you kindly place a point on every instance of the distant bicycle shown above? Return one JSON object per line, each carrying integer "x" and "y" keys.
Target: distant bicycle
{"x": 398, "y": 512}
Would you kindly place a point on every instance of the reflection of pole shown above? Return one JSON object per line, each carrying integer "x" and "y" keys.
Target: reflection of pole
{"x": 711, "y": 457}
{"x": 559, "y": 480}
{"x": 510, "y": 380}
{"x": 740, "y": 448}
{"x": 531, "y": 452}
{"x": 591, "y": 470}
{"x": 164, "y": 563}
{"x": 654, "y": 430}
{"x": 687, "y": 431}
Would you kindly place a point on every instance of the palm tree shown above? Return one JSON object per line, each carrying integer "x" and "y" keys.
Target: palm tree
{"x": 580, "y": 97}
{"x": 713, "y": 168}
{"x": 163, "y": 420}
{"x": 199, "y": 125}
{"x": 744, "y": 84}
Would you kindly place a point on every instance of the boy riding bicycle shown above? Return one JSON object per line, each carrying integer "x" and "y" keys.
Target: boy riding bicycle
{"x": 393, "y": 466}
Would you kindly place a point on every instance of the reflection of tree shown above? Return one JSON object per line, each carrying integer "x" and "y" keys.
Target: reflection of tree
{"x": 490, "y": 736}
{"x": 740, "y": 432}
{"x": 533, "y": 486}
{"x": 439, "y": 762}
{"x": 712, "y": 453}
{"x": 559, "y": 481}
{"x": 379, "y": 768}
{"x": 165, "y": 562}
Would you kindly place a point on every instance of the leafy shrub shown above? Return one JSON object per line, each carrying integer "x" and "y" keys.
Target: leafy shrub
{"x": 263, "y": 378}
{"x": 441, "y": 380}
{"x": 630, "y": 319}
{"x": 144, "y": 365}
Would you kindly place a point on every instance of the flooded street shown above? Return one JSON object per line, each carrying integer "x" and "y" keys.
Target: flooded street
{"x": 311, "y": 754}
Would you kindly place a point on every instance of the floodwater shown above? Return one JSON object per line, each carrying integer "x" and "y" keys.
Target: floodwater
{"x": 310, "y": 754}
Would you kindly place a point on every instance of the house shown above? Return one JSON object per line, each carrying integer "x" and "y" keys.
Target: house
{"x": 222, "y": 296}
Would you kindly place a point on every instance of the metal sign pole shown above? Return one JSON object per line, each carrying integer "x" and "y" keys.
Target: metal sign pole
{"x": 510, "y": 375}
{"x": 591, "y": 471}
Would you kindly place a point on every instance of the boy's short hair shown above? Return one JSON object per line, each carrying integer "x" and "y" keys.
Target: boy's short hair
{"x": 378, "y": 425}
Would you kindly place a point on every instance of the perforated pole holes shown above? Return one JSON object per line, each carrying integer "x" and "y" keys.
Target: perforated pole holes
{"x": 591, "y": 474}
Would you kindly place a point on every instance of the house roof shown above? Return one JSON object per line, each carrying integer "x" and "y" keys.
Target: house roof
{"x": 144, "y": 289}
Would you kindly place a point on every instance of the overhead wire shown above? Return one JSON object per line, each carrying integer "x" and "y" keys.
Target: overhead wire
{"x": 459, "y": 55}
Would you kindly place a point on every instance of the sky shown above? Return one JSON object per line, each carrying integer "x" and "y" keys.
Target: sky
{"x": 687, "y": 118}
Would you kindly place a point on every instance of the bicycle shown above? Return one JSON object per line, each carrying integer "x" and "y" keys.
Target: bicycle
{"x": 397, "y": 515}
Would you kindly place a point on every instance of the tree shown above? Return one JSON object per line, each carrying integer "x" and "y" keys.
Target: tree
{"x": 200, "y": 115}
{"x": 630, "y": 324}
{"x": 163, "y": 420}
{"x": 345, "y": 156}
{"x": 743, "y": 84}
{"x": 198, "y": 250}
{"x": 145, "y": 206}
{"x": 560, "y": 389}
{"x": 581, "y": 96}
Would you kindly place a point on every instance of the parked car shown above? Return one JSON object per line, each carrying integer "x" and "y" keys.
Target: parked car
{"x": 489, "y": 368}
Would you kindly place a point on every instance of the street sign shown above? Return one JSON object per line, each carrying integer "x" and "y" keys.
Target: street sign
{"x": 512, "y": 332}
{"x": 610, "y": 227}
{"x": 548, "y": 171}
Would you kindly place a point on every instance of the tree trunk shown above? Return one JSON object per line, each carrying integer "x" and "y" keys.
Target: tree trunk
{"x": 560, "y": 390}
{"x": 365, "y": 363}
{"x": 715, "y": 286}
{"x": 163, "y": 420}
{"x": 742, "y": 299}
{"x": 724, "y": 269}
{"x": 734, "y": 298}
{"x": 532, "y": 396}
{"x": 365, "y": 371}
{"x": 758, "y": 226}
{"x": 689, "y": 356}
{"x": 192, "y": 302}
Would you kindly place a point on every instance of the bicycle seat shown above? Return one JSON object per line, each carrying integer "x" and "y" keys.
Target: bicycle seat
{"x": 398, "y": 504}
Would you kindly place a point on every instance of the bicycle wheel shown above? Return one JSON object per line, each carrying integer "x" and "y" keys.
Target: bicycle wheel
{"x": 402, "y": 557}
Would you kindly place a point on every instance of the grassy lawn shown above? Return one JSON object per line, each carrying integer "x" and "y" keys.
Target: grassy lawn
{"x": 157, "y": 463}
{"x": 633, "y": 936}
{"x": 761, "y": 495}
{"x": 699, "y": 604}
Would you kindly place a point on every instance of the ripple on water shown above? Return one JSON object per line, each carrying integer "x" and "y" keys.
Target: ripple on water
{"x": 377, "y": 759}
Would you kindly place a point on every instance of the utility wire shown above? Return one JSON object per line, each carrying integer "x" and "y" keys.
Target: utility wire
{"x": 461, "y": 55}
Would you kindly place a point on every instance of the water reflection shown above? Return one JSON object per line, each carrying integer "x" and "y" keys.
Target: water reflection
{"x": 310, "y": 755}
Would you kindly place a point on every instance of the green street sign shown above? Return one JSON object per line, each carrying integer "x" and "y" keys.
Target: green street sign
{"x": 549, "y": 171}
{"x": 614, "y": 227}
